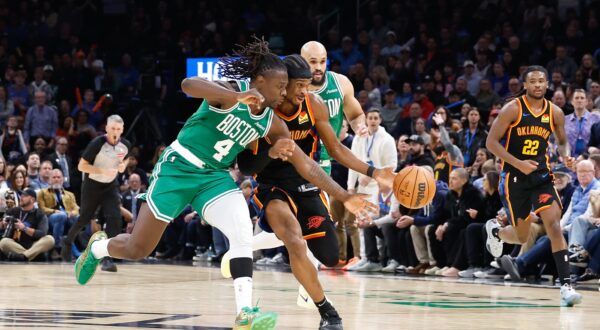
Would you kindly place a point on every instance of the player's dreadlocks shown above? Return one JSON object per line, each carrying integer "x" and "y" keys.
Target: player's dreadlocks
{"x": 251, "y": 60}
{"x": 523, "y": 91}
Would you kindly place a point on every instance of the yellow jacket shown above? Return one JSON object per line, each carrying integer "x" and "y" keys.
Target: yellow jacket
{"x": 46, "y": 199}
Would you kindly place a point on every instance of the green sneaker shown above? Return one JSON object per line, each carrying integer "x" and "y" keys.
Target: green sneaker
{"x": 251, "y": 318}
{"x": 86, "y": 264}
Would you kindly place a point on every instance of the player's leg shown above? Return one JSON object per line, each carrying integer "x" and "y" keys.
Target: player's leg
{"x": 229, "y": 213}
{"x": 551, "y": 218}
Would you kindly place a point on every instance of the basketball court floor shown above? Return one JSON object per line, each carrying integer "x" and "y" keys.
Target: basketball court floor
{"x": 177, "y": 296}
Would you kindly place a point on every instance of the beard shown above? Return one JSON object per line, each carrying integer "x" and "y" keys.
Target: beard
{"x": 316, "y": 82}
{"x": 56, "y": 186}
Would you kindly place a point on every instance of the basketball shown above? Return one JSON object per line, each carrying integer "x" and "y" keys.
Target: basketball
{"x": 414, "y": 187}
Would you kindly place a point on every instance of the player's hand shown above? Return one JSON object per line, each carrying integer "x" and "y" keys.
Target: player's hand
{"x": 358, "y": 205}
{"x": 527, "y": 166}
{"x": 251, "y": 97}
{"x": 570, "y": 163}
{"x": 385, "y": 176}
{"x": 282, "y": 149}
{"x": 361, "y": 130}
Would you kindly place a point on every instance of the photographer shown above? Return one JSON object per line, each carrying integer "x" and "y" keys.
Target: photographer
{"x": 26, "y": 228}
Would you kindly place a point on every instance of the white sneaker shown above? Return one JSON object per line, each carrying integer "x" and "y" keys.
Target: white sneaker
{"x": 276, "y": 260}
{"x": 369, "y": 267}
{"x": 225, "y": 270}
{"x": 469, "y": 272}
{"x": 263, "y": 261}
{"x": 507, "y": 277}
{"x": 357, "y": 265}
{"x": 432, "y": 271}
{"x": 495, "y": 264}
{"x": 439, "y": 272}
{"x": 391, "y": 266}
{"x": 568, "y": 296}
{"x": 493, "y": 244}
{"x": 304, "y": 299}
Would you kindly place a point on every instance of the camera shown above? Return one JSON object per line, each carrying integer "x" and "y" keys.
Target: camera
{"x": 9, "y": 232}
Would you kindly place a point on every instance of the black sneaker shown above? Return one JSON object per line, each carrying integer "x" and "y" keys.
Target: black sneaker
{"x": 331, "y": 321}
{"x": 588, "y": 276}
{"x": 15, "y": 256}
{"x": 580, "y": 258}
{"x": 108, "y": 265}
{"x": 508, "y": 264}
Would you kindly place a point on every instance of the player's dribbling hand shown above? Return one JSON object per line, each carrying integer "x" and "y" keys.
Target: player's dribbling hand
{"x": 384, "y": 176}
{"x": 251, "y": 97}
{"x": 527, "y": 166}
{"x": 358, "y": 205}
{"x": 282, "y": 149}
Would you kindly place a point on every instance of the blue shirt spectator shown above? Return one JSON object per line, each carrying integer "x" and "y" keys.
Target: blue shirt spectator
{"x": 581, "y": 195}
{"x": 347, "y": 56}
{"x": 41, "y": 120}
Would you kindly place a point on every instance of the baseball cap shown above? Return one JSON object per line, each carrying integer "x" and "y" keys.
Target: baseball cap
{"x": 467, "y": 63}
{"x": 390, "y": 91}
{"x": 48, "y": 67}
{"x": 346, "y": 38}
{"x": 561, "y": 169}
{"x": 391, "y": 34}
{"x": 415, "y": 138}
{"x": 29, "y": 192}
{"x": 418, "y": 89}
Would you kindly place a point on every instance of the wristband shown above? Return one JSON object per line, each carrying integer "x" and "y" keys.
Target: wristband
{"x": 370, "y": 171}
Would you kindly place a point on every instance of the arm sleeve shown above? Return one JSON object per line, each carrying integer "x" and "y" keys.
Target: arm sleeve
{"x": 90, "y": 152}
{"x": 352, "y": 174}
{"x": 249, "y": 163}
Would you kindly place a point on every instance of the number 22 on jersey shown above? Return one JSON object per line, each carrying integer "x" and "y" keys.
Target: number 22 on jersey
{"x": 530, "y": 147}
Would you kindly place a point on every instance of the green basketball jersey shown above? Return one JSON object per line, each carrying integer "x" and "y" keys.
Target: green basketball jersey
{"x": 331, "y": 93}
{"x": 216, "y": 136}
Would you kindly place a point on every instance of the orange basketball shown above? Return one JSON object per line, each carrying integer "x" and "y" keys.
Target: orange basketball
{"x": 414, "y": 187}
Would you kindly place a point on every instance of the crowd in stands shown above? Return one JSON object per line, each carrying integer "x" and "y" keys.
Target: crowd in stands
{"x": 430, "y": 76}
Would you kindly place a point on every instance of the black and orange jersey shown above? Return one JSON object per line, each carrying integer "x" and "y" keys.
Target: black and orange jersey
{"x": 528, "y": 137}
{"x": 443, "y": 167}
{"x": 302, "y": 129}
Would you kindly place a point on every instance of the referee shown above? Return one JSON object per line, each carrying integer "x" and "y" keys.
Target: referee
{"x": 103, "y": 158}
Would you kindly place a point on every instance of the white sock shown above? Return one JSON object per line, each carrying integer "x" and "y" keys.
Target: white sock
{"x": 100, "y": 248}
{"x": 243, "y": 292}
{"x": 265, "y": 240}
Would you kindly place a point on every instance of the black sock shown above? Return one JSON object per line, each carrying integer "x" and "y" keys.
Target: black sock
{"x": 562, "y": 266}
{"x": 324, "y": 306}
{"x": 495, "y": 232}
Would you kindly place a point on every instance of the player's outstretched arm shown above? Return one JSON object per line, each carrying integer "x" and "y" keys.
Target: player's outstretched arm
{"x": 338, "y": 151}
{"x": 219, "y": 94}
{"x": 509, "y": 114}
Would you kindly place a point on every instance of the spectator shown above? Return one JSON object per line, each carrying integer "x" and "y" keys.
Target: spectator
{"x": 39, "y": 84}
{"x": 461, "y": 202}
{"x": 4, "y": 174}
{"x": 560, "y": 100}
{"x": 472, "y": 137}
{"x": 595, "y": 93}
{"x": 563, "y": 63}
{"x": 30, "y": 237}
{"x": 126, "y": 75}
{"x": 19, "y": 94}
{"x": 33, "y": 169}
{"x": 471, "y": 77}
{"x": 364, "y": 101}
{"x": 514, "y": 86}
{"x": 435, "y": 96}
{"x": 448, "y": 155}
{"x": 403, "y": 152}
{"x": 557, "y": 82}
{"x": 418, "y": 155}
{"x": 406, "y": 96}
{"x": 391, "y": 45}
{"x": 18, "y": 183}
{"x": 563, "y": 184}
{"x": 390, "y": 112}
{"x": 420, "y": 131}
{"x": 41, "y": 121}
{"x": 13, "y": 143}
{"x": 129, "y": 198}
{"x": 486, "y": 96}
{"x": 43, "y": 180}
{"x": 60, "y": 207}
{"x": 348, "y": 55}
{"x": 61, "y": 160}
{"x": 7, "y": 107}
{"x": 374, "y": 93}
{"x": 95, "y": 118}
{"x": 132, "y": 167}
{"x": 499, "y": 79}
{"x": 460, "y": 88}
{"x": 578, "y": 125}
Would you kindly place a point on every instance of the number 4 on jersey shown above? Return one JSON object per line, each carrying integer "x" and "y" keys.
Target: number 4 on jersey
{"x": 222, "y": 147}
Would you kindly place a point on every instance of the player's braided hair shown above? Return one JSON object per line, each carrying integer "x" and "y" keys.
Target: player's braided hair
{"x": 251, "y": 60}
{"x": 523, "y": 91}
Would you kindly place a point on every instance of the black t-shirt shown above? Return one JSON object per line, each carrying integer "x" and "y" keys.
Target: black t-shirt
{"x": 35, "y": 219}
{"x": 104, "y": 155}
